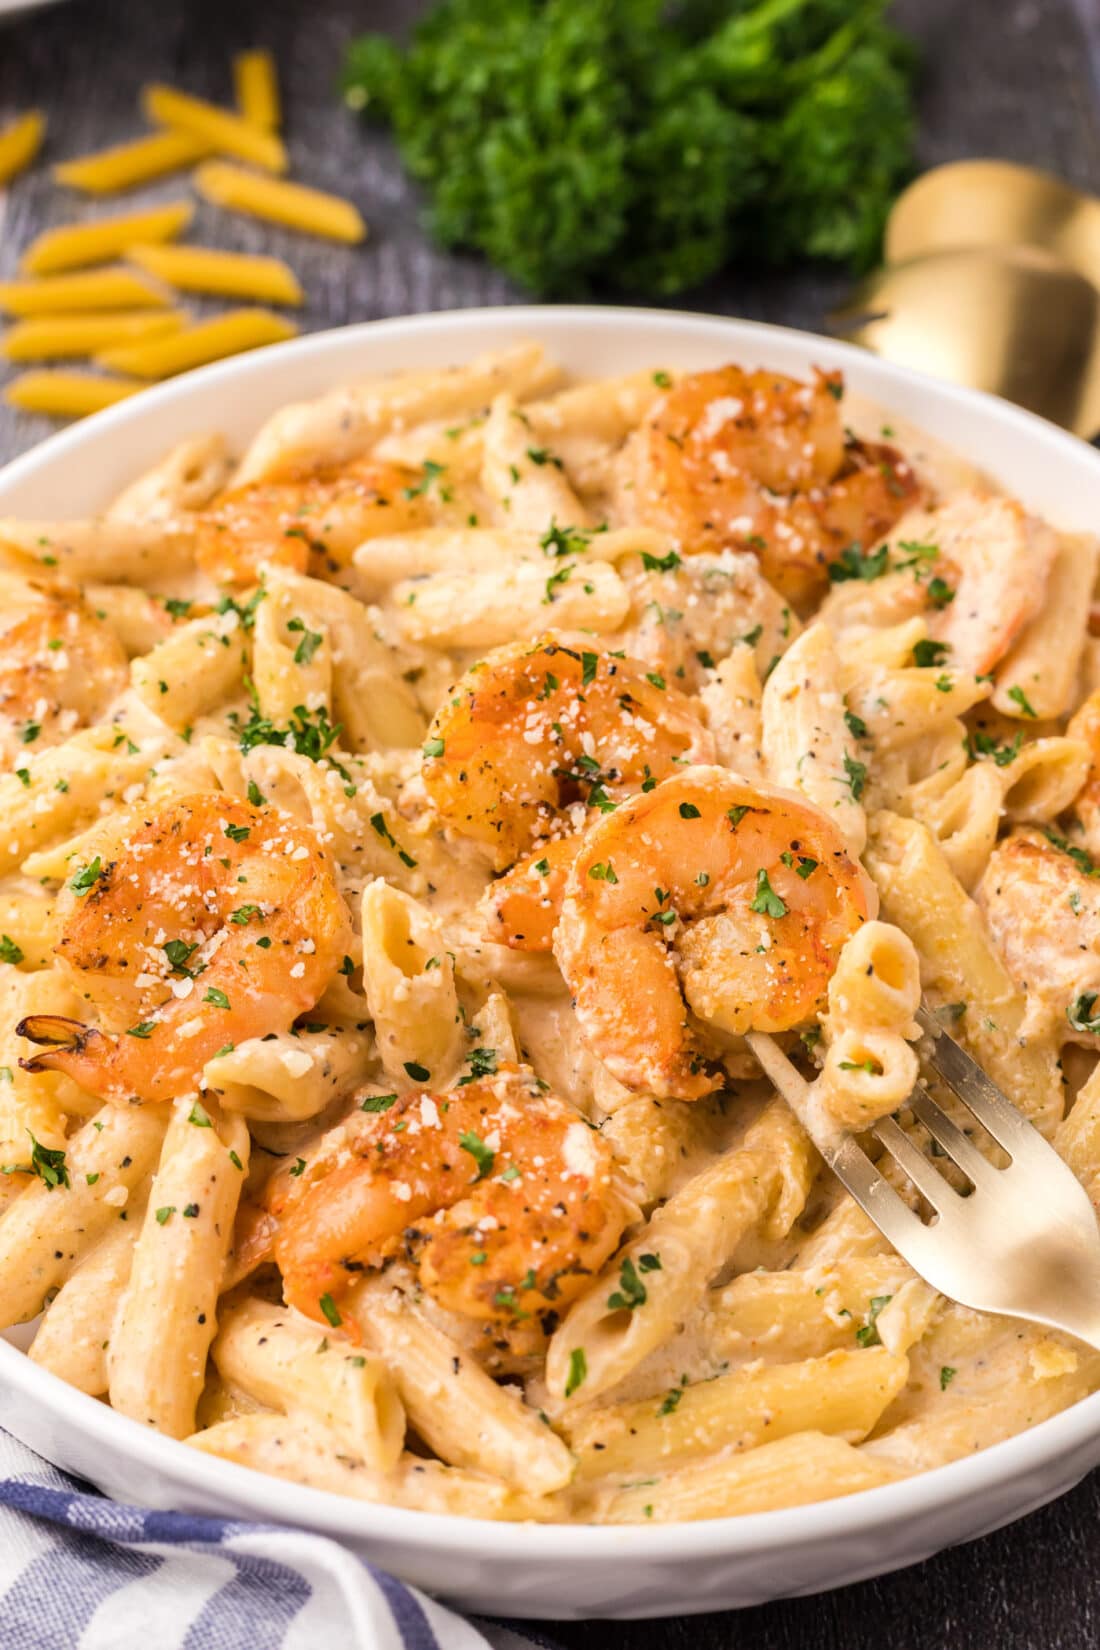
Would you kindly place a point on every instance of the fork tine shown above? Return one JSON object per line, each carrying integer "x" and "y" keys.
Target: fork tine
{"x": 910, "y": 1158}
{"x": 875, "y": 1196}
{"x": 958, "y": 1146}
{"x": 997, "y": 1115}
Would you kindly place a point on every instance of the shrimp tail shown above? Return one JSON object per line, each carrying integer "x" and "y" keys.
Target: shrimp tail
{"x": 80, "y": 1051}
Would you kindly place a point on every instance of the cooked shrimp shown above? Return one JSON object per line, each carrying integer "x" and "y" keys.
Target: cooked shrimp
{"x": 219, "y": 921}
{"x": 537, "y": 726}
{"x": 1041, "y": 900}
{"x": 734, "y": 896}
{"x": 307, "y": 520}
{"x": 60, "y": 668}
{"x": 521, "y": 908}
{"x": 502, "y": 1197}
{"x": 757, "y": 461}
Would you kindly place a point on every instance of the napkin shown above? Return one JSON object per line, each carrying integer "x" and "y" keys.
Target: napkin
{"x": 81, "y": 1572}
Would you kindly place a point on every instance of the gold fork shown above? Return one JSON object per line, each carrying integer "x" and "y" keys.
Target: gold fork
{"x": 1024, "y": 1242}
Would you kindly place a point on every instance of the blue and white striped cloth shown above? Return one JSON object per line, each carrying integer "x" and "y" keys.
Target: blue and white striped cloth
{"x": 79, "y": 1572}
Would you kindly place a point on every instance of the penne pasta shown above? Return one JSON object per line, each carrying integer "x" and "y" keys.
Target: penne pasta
{"x": 77, "y": 335}
{"x": 220, "y": 130}
{"x": 19, "y": 143}
{"x": 129, "y": 164}
{"x": 72, "y": 245}
{"x": 256, "y": 84}
{"x": 310, "y": 211}
{"x": 224, "y": 274}
{"x": 67, "y": 394}
{"x": 230, "y": 334}
{"x": 94, "y": 289}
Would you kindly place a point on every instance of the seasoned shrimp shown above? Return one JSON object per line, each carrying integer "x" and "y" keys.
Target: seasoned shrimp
{"x": 756, "y": 461}
{"x": 60, "y": 668}
{"x": 535, "y": 727}
{"x": 734, "y": 896}
{"x": 309, "y": 520}
{"x": 219, "y": 921}
{"x": 503, "y": 1199}
{"x": 521, "y": 908}
{"x": 1041, "y": 900}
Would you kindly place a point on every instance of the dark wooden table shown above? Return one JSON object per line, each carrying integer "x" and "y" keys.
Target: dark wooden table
{"x": 1015, "y": 78}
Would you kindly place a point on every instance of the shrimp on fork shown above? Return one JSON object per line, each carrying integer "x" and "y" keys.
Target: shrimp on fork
{"x": 504, "y": 1201}
{"x": 736, "y": 897}
{"x": 218, "y": 921}
{"x": 757, "y": 461}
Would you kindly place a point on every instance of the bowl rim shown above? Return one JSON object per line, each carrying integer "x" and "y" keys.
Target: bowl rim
{"x": 266, "y": 1498}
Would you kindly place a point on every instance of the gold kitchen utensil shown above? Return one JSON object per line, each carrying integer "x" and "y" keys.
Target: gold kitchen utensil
{"x": 1016, "y": 321}
{"x": 1024, "y": 1242}
{"x": 971, "y": 203}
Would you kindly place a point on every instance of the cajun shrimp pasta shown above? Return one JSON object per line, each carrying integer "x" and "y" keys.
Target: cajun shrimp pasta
{"x": 415, "y": 823}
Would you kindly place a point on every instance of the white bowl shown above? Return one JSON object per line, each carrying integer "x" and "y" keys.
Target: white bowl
{"x": 561, "y": 1570}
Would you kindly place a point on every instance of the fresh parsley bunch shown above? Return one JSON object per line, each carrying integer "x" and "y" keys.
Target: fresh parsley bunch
{"x": 588, "y": 144}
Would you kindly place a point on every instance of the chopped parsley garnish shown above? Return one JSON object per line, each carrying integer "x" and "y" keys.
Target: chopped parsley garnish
{"x": 603, "y": 872}
{"x": 868, "y": 1335}
{"x": 179, "y": 953}
{"x": 660, "y": 564}
{"x": 482, "y": 1063}
{"x": 378, "y": 1102}
{"x": 940, "y": 592}
{"x": 1080, "y": 1015}
{"x": 255, "y": 795}
{"x": 631, "y": 1292}
{"x": 163, "y": 1214}
{"x": 1019, "y": 697}
{"x": 483, "y": 1155}
{"x": 418, "y": 1073}
{"x": 555, "y": 580}
{"x": 984, "y": 744}
{"x": 9, "y": 951}
{"x": 853, "y": 564}
{"x": 432, "y": 471}
{"x": 670, "y": 1400}
{"x": 578, "y": 1370}
{"x": 589, "y": 665}
{"x": 688, "y": 810}
{"x": 217, "y": 997}
{"x": 246, "y": 613}
{"x": 380, "y": 828}
{"x": 856, "y": 726}
{"x": 1080, "y": 856}
{"x": 310, "y": 642}
{"x": 927, "y": 653}
{"x": 766, "y": 902}
{"x": 947, "y": 1375}
{"x": 330, "y": 1309}
{"x": 48, "y": 1164}
{"x": 88, "y": 877}
{"x": 199, "y": 1117}
{"x": 563, "y": 541}
{"x": 298, "y": 1167}
{"x": 144, "y": 1030}
{"x": 434, "y": 747}
{"x": 855, "y": 774}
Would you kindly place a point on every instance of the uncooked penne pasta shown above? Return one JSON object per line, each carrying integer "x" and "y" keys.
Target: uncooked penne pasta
{"x": 19, "y": 143}
{"x": 311, "y": 211}
{"x": 93, "y": 289}
{"x": 72, "y": 245}
{"x": 223, "y": 131}
{"x": 256, "y": 84}
{"x": 130, "y": 164}
{"x": 75, "y": 335}
{"x": 224, "y": 274}
{"x": 67, "y": 394}
{"x": 241, "y": 329}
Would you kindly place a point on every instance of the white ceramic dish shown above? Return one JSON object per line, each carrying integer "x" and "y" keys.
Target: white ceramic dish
{"x": 558, "y": 1571}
